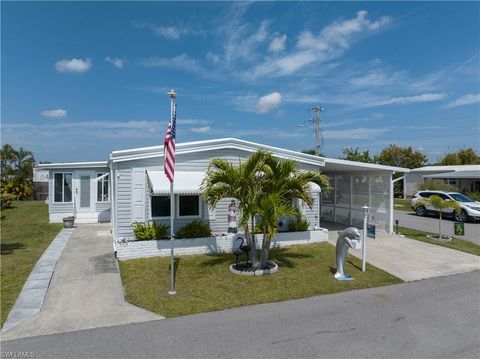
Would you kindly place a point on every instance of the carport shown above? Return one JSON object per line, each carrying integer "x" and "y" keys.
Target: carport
{"x": 355, "y": 184}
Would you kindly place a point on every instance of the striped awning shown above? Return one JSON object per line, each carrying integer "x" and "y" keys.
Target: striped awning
{"x": 185, "y": 182}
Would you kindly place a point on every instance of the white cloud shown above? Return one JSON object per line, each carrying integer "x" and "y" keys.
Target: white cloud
{"x": 204, "y": 129}
{"x": 377, "y": 78}
{"x": 117, "y": 62}
{"x": 242, "y": 41}
{"x": 330, "y": 43}
{"x": 278, "y": 43}
{"x": 428, "y": 97}
{"x": 269, "y": 102}
{"x": 213, "y": 58}
{"x": 168, "y": 32}
{"x": 182, "y": 62}
{"x": 58, "y": 113}
{"x": 355, "y": 133}
{"x": 464, "y": 100}
{"x": 73, "y": 65}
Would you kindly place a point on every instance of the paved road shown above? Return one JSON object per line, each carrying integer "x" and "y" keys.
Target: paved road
{"x": 435, "y": 318}
{"x": 430, "y": 224}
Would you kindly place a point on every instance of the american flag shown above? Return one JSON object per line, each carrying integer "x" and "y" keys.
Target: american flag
{"x": 169, "y": 147}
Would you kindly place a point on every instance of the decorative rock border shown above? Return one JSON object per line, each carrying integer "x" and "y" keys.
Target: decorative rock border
{"x": 256, "y": 273}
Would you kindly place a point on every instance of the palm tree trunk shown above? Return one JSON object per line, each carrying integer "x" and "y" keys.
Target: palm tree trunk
{"x": 249, "y": 236}
{"x": 440, "y": 225}
{"x": 253, "y": 247}
{"x": 265, "y": 251}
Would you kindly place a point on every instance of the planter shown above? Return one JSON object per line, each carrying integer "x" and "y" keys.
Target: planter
{"x": 242, "y": 269}
{"x": 435, "y": 237}
{"x": 68, "y": 222}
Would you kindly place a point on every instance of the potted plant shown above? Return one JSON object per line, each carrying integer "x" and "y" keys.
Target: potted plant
{"x": 68, "y": 222}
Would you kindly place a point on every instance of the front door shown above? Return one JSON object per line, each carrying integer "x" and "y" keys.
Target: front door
{"x": 84, "y": 196}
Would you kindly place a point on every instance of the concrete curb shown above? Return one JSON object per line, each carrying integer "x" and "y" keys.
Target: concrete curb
{"x": 33, "y": 293}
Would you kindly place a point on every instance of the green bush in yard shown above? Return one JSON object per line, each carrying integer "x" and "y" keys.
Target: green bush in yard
{"x": 436, "y": 185}
{"x": 473, "y": 195}
{"x": 299, "y": 224}
{"x": 194, "y": 229}
{"x": 149, "y": 231}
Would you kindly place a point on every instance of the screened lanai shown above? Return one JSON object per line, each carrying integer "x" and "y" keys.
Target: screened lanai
{"x": 355, "y": 184}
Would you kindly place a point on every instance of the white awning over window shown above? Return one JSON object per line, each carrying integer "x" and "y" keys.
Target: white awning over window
{"x": 185, "y": 182}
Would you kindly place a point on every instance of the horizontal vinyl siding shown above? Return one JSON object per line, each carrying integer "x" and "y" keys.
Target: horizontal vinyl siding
{"x": 310, "y": 213}
{"x": 102, "y": 206}
{"x": 124, "y": 202}
{"x": 220, "y": 223}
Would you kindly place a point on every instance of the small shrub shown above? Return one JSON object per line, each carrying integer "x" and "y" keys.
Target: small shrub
{"x": 436, "y": 185}
{"x": 473, "y": 195}
{"x": 149, "y": 231}
{"x": 194, "y": 229}
{"x": 6, "y": 200}
{"x": 299, "y": 224}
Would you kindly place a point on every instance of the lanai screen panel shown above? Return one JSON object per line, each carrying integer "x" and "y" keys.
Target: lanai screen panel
{"x": 350, "y": 192}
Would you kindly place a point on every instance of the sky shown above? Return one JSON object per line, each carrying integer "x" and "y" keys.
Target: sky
{"x": 81, "y": 79}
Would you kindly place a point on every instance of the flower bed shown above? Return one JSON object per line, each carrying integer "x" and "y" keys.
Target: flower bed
{"x": 208, "y": 245}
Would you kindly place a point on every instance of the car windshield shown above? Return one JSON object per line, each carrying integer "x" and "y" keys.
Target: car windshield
{"x": 460, "y": 197}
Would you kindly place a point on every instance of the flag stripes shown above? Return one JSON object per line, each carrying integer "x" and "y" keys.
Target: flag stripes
{"x": 169, "y": 147}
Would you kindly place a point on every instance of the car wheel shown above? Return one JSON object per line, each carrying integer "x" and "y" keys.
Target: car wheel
{"x": 461, "y": 217}
{"x": 420, "y": 211}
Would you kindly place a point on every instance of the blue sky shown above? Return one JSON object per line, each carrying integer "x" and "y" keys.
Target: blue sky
{"x": 82, "y": 79}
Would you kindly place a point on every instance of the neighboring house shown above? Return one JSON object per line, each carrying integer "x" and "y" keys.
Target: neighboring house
{"x": 40, "y": 184}
{"x": 464, "y": 177}
{"x": 131, "y": 187}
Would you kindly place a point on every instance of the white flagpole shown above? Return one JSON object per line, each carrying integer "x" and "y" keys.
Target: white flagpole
{"x": 172, "y": 291}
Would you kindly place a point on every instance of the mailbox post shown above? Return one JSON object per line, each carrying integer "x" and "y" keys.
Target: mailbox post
{"x": 364, "y": 243}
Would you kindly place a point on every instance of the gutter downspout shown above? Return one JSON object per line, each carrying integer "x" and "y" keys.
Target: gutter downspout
{"x": 112, "y": 209}
{"x": 390, "y": 194}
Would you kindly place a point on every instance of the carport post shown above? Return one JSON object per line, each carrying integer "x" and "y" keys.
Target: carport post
{"x": 364, "y": 244}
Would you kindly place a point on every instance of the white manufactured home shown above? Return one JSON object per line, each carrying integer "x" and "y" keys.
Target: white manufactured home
{"x": 131, "y": 187}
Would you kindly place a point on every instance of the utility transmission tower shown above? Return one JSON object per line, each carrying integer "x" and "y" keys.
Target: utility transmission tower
{"x": 316, "y": 122}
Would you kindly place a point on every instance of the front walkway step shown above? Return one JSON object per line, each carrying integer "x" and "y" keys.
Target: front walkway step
{"x": 33, "y": 293}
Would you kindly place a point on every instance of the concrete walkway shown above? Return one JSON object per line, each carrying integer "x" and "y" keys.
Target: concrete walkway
{"x": 85, "y": 291}
{"x": 33, "y": 293}
{"x": 411, "y": 260}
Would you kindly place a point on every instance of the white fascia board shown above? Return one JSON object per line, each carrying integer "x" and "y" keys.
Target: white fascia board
{"x": 72, "y": 165}
{"x": 365, "y": 165}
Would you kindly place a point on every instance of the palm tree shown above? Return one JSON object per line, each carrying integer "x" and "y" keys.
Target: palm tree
{"x": 7, "y": 157}
{"x": 242, "y": 182}
{"x": 439, "y": 204}
{"x": 264, "y": 186}
{"x": 284, "y": 182}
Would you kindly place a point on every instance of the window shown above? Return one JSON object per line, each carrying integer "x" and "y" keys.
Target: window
{"x": 62, "y": 187}
{"x": 102, "y": 188}
{"x": 189, "y": 206}
{"x": 160, "y": 206}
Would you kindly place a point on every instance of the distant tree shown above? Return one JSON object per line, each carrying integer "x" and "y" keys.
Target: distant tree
{"x": 17, "y": 172}
{"x": 401, "y": 157}
{"x": 354, "y": 154}
{"x": 439, "y": 205}
{"x": 466, "y": 156}
{"x": 313, "y": 152}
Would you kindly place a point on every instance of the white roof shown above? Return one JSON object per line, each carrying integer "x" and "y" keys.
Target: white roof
{"x": 185, "y": 182}
{"x": 337, "y": 165}
{"x": 457, "y": 168}
{"x": 455, "y": 175}
{"x": 215, "y": 144}
{"x": 73, "y": 165}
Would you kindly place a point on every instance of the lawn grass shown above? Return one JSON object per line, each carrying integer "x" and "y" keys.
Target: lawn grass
{"x": 204, "y": 282}
{"x": 401, "y": 204}
{"x": 455, "y": 243}
{"x": 26, "y": 234}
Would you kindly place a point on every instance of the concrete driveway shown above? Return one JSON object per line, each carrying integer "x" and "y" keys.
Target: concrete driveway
{"x": 430, "y": 224}
{"x": 411, "y": 260}
{"x": 85, "y": 291}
